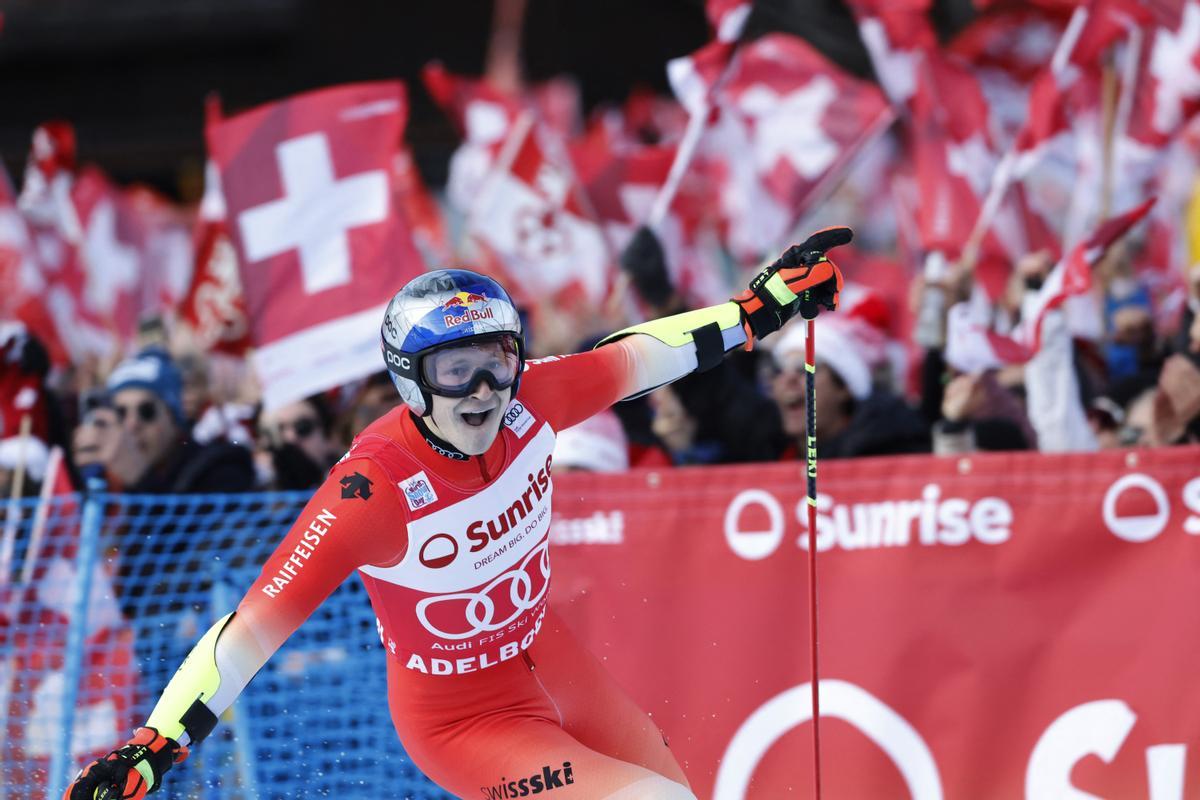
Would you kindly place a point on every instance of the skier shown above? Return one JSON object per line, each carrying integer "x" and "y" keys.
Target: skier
{"x": 443, "y": 508}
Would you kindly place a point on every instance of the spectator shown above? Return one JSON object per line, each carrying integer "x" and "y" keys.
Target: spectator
{"x": 195, "y": 396}
{"x": 376, "y": 397}
{"x": 715, "y": 417}
{"x": 1110, "y": 413}
{"x": 149, "y": 450}
{"x": 300, "y": 445}
{"x": 853, "y": 418}
{"x": 27, "y": 417}
{"x": 977, "y": 413}
{"x": 677, "y": 430}
{"x": 96, "y": 435}
{"x": 1176, "y": 411}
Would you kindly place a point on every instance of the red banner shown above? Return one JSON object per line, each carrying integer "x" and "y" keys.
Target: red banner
{"x": 998, "y": 626}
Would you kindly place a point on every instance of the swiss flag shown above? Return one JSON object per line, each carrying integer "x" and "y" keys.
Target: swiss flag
{"x": 1072, "y": 275}
{"x": 214, "y": 305}
{"x": 166, "y": 248}
{"x": 421, "y": 211}
{"x": 787, "y": 126}
{"x": 1007, "y": 48}
{"x": 1067, "y": 90}
{"x": 805, "y": 118}
{"x": 532, "y": 223}
{"x": 1168, "y": 89}
{"x": 22, "y": 287}
{"x": 89, "y": 244}
{"x": 622, "y": 178}
{"x": 954, "y": 160}
{"x": 972, "y": 346}
{"x": 897, "y": 34}
{"x": 110, "y": 251}
{"x": 484, "y": 116}
{"x": 308, "y": 182}
{"x": 727, "y": 17}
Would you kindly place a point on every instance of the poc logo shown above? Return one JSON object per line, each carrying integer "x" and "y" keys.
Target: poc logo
{"x": 400, "y": 362}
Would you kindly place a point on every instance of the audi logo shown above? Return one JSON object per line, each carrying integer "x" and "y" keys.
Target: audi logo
{"x": 514, "y": 411}
{"x": 493, "y": 607}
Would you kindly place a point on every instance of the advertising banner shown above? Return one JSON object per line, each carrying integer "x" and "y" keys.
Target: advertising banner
{"x": 999, "y": 626}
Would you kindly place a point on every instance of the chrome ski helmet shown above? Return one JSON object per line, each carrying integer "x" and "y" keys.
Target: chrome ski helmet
{"x": 451, "y": 310}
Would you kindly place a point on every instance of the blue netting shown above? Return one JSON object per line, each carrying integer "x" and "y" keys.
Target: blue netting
{"x": 162, "y": 570}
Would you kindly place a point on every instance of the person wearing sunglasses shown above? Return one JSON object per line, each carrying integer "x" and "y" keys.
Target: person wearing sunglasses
{"x": 443, "y": 507}
{"x": 298, "y": 443}
{"x": 149, "y": 449}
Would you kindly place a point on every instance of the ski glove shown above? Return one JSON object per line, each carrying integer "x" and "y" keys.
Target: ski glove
{"x": 800, "y": 281}
{"x": 117, "y": 777}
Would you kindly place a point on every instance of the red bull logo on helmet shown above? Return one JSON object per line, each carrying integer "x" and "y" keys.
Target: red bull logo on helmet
{"x": 461, "y": 309}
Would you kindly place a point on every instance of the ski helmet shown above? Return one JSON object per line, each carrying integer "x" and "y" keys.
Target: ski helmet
{"x": 442, "y": 310}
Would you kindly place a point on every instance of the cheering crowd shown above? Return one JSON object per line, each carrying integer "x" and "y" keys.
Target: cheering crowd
{"x": 1023, "y": 275}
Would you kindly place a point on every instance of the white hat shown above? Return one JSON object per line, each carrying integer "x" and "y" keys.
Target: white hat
{"x": 597, "y": 444}
{"x": 28, "y": 449}
{"x": 836, "y": 347}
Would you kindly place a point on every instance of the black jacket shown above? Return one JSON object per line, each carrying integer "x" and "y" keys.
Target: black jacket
{"x": 214, "y": 468}
{"x": 883, "y": 424}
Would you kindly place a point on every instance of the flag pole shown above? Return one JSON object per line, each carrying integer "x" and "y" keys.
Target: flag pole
{"x": 810, "y": 373}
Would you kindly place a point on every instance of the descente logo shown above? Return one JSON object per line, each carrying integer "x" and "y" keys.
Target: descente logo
{"x": 537, "y": 783}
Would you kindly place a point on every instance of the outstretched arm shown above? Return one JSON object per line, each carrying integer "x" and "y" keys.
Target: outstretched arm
{"x": 341, "y": 528}
{"x": 638, "y": 360}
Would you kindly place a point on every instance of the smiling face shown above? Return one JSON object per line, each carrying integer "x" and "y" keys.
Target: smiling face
{"x": 470, "y": 423}
{"x": 788, "y": 388}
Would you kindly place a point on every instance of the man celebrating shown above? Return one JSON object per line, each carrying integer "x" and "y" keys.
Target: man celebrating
{"x": 443, "y": 507}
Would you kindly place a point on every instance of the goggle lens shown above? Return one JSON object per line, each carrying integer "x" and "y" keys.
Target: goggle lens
{"x": 456, "y": 370}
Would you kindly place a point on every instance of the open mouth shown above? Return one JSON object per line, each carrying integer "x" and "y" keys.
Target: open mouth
{"x": 477, "y": 418}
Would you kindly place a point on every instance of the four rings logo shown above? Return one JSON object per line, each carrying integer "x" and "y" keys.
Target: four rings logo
{"x": 493, "y": 607}
{"x": 514, "y": 411}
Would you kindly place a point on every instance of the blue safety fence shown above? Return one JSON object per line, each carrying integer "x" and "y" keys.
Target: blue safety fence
{"x": 101, "y": 597}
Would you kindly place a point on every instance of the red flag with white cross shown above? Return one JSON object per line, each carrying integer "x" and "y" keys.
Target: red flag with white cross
{"x": 214, "y": 305}
{"x": 308, "y": 183}
{"x": 531, "y": 222}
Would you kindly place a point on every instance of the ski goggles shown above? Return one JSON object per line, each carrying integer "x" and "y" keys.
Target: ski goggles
{"x": 456, "y": 370}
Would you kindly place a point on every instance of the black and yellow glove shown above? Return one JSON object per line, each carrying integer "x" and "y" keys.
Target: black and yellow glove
{"x": 130, "y": 772}
{"x": 801, "y": 281}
